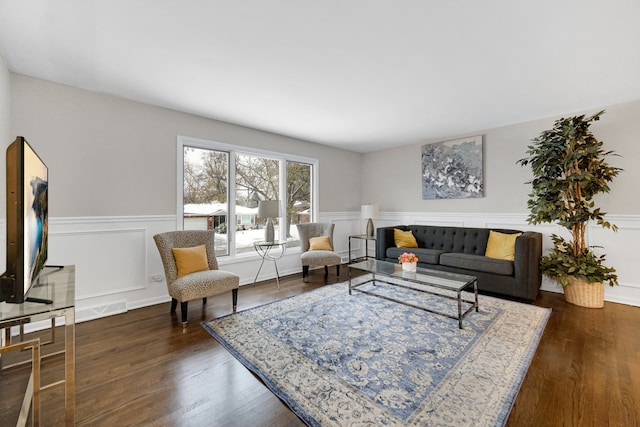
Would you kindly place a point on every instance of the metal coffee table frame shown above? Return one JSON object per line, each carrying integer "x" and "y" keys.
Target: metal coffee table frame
{"x": 433, "y": 278}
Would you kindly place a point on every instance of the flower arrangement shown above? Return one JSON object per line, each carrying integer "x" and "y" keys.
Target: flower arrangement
{"x": 408, "y": 257}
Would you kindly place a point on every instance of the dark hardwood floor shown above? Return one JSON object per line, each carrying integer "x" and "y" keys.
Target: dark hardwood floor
{"x": 141, "y": 368}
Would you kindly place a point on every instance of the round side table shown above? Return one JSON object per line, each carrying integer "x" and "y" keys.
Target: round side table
{"x": 271, "y": 251}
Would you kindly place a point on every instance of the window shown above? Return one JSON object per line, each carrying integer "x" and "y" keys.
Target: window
{"x": 209, "y": 172}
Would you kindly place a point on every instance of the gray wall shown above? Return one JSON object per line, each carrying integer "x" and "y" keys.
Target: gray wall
{"x": 5, "y": 120}
{"x": 398, "y": 188}
{"x": 5, "y": 93}
{"x": 117, "y": 157}
{"x": 111, "y": 157}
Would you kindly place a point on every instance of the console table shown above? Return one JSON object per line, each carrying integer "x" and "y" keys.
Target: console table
{"x": 58, "y": 285}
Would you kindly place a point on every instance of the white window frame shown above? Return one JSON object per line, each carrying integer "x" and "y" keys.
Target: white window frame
{"x": 188, "y": 141}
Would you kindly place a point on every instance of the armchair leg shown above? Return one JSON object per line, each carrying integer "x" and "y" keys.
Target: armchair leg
{"x": 234, "y": 298}
{"x": 174, "y": 304}
{"x": 305, "y": 271}
{"x": 338, "y": 270}
{"x": 183, "y": 312}
{"x": 204, "y": 300}
{"x": 326, "y": 271}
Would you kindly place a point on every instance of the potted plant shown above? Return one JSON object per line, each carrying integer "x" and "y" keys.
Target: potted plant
{"x": 569, "y": 169}
{"x": 409, "y": 261}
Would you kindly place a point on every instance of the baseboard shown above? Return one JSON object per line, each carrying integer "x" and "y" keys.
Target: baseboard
{"x": 97, "y": 312}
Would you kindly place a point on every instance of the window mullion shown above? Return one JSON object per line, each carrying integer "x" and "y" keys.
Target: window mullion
{"x": 231, "y": 204}
{"x": 282, "y": 190}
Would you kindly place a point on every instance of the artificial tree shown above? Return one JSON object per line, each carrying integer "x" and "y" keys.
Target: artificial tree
{"x": 569, "y": 168}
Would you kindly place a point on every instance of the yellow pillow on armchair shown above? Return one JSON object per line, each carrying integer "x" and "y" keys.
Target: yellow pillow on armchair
{"x": 190, "y": 260}
{"x": 321, "y": 243}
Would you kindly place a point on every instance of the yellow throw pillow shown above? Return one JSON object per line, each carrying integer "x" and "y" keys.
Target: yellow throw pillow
{"x": 321, "y": 243}
{"x": 501, "y": 246}
{"x": 404, "y": 239}
{"x": 190, "y": 260}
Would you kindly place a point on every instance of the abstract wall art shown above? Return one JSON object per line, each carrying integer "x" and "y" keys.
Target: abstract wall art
{"x": 453, "y": 169}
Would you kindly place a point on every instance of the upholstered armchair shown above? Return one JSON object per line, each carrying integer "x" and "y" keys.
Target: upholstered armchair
{"x": 192, "y": 270}
{"x": 316, "y": 244}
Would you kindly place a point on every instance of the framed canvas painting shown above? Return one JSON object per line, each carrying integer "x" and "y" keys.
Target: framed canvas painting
{"x": 452, "y": 169}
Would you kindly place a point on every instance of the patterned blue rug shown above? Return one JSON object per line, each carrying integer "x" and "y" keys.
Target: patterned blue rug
{"x": 338, "y": 360}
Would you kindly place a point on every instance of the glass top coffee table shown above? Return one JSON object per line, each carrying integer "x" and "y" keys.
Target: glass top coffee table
{"x": 422, "y": 276}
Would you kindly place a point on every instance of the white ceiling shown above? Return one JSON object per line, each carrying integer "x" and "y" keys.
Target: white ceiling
{"x": 358, "y": 74}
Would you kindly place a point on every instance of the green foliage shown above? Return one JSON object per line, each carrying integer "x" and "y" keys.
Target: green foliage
{"x": 569, "y": 168}
{"x": 560, "y": 264}
{"x": 205, "y": 180}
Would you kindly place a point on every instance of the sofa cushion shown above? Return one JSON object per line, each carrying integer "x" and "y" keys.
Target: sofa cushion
{"x": 501, "y": 245}
{"x": 404, "y": 239}
{"x": 477, "y": 263}
{"x": 426, "y": 256}
{"x": 319, "y": 258}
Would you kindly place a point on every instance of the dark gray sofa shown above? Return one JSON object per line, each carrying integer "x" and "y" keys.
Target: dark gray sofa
{"x": 461, "y": 250}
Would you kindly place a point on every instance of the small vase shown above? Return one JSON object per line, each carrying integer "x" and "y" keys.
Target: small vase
{"x": 409, "y": 266}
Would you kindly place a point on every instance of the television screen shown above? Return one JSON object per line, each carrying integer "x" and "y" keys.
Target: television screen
{"x": 35, "y": 214}
{"x": 27, "y": 221}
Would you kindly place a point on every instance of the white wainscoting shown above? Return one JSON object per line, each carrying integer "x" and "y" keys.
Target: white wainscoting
{"x": 118, "y": 266}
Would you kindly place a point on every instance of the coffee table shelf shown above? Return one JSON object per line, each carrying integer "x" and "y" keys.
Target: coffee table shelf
{"x": 431, "y": 278}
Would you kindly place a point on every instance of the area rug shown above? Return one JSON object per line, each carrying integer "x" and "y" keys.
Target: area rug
{"x": 358, "y": 360}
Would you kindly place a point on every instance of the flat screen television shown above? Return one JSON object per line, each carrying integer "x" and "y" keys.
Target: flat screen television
{"x": 27, "y": 221}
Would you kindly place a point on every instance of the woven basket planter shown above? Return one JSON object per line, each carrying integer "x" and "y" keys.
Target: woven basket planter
{"x": 585, "y": 294}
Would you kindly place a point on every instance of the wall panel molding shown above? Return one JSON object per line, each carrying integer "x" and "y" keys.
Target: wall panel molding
{"x": 101, "y": 256}
{"x": 116, "y": 258}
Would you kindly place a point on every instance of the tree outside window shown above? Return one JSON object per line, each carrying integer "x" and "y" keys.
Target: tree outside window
{"x": 298, "y": 199}
{"x": 208, "y": 179}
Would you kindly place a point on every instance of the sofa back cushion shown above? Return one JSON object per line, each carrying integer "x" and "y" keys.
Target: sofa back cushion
{"x": 465, "y": 240}
{"x": 452, "y": 239}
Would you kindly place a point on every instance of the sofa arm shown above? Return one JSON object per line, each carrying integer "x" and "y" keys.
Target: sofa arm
{"x": 526, "y": 263}
{"x": 384, "y": 240}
